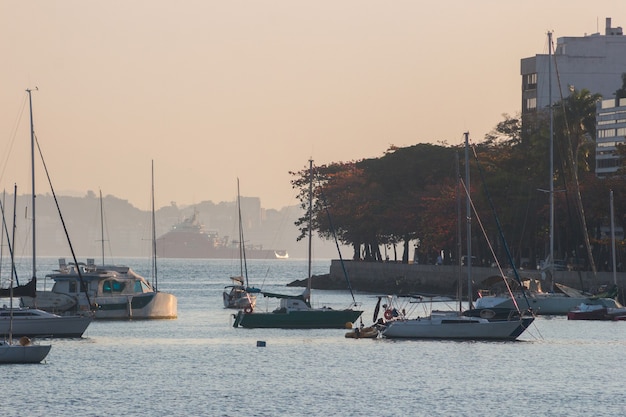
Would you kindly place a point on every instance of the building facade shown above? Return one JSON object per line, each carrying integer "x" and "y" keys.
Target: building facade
{"x": 610, "y": 131}
{"x": 594, "y": 62}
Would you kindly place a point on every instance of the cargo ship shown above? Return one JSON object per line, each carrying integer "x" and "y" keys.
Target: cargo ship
{"x": 188, "y": 239}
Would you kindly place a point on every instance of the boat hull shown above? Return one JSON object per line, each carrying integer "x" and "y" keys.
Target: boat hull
{"x": 153, "y": 305}
{"x": 50, "y": 301}
{"x": 370, "y": 332}
{"x": 23, "y": 354}
{"x": 541, "y": 304}
{"x": 36, "y": 326}
{"x": 460, "y": 327}
{"x": 238, "y": 301}
{"x": 315, "y": 319}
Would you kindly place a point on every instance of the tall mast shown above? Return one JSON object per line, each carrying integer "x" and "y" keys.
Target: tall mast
{"x": 101, "y": 228}
{"x": 155, "y": 282}
{"x": 468, "y": 209}
{"x": 32, "y": 164}
{"x": 310, "y": 221}
{"x": 613, "y": 241}
{"x": 551, "y": 254}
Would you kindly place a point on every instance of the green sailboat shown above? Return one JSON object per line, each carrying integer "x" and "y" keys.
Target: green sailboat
{"x": 295, "y": 311}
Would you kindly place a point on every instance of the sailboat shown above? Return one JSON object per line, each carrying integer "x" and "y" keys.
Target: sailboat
{"x": 603, "y": 307}
{"x": 240, "y": 295}
{"x": 33, "y": 321}
{"x": 473, "y": 324}
{"x": 295, "y": 311}
{"x": 24, "y": 351}
{"x": 560, "y": 299}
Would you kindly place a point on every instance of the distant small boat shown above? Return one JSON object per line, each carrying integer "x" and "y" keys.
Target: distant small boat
{"x": 369, "y": 332}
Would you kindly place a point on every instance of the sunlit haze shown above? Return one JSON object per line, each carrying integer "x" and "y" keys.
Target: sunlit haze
{"x": 215, "y": 90}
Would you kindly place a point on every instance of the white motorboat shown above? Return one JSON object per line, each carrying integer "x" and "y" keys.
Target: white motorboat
{"x": 112, "y": 292}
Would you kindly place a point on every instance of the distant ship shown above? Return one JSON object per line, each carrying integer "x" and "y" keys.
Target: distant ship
{"x": 188, "y": 239}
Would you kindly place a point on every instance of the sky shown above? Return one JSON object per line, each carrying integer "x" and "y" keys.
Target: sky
{"x": 211, "y": 91}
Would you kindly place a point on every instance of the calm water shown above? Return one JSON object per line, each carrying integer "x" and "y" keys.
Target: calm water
{"x": 199, "y": 365}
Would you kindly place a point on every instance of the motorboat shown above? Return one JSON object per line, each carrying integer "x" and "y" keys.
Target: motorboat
{"x": 109, "y": 291}
{"x": 606, "y": 309}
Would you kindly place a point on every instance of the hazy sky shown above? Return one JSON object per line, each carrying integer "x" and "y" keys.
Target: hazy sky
{"x": 215, "y": 90}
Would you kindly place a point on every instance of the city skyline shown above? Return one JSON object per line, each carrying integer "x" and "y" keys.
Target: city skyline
{"x": 215, "y": 91}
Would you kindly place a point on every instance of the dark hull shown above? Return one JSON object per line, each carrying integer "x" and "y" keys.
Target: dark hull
{"x": 314, "y": 319}
{"x": 199, "y": 246}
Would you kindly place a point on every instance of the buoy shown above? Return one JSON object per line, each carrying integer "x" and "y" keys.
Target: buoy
{"x": 24, "y": 341}
{"x": 348, "y": 325}
{"x": 260, "y": 343}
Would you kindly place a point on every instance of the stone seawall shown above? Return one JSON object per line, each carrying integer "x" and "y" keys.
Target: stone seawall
{"x": 398, "y": 278}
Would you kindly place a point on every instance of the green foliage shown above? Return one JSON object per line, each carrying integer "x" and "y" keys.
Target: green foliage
{"x": 410, "y": 194}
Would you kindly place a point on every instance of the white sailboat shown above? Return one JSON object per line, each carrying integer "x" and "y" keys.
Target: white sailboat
{"x": 24, "y": 351}
{"x": 32, "y": 321}
{"x": 560, "y": 299}
{"x": 473, "y": 324}
{"x": 240, "y": 295}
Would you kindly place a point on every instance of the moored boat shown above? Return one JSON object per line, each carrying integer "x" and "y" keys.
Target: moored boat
{"x": 112, "y": 292}
{"x": 606, "y": 309}
{"x": 295, "y": 311}
{"x": 32, "y": 322}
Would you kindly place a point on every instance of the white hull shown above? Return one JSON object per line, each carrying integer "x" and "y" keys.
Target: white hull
{"x": 50, "y": 301}
{"x": 157, "y": 305}
{"x": 456, "y": 327}
{"x": 115, "y": 292}
{"x": 541, "y": 304}
{"x": 37, "y": 323}
{"x": 23, "y": 354}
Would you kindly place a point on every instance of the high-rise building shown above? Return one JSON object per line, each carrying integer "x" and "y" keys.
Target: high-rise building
{"x": 594, "y": 62}
{"x": 610, "y": 130}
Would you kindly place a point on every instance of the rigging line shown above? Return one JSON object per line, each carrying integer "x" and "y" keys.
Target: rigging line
{"x": 574, "y": 167}
{"x": 495, "y": 215}
{"x": 6, "y": 230}
{"x": 13, "y": 136}
{"x": 493, "y": 253}
{"x": 332, "y": 227}
{"x": 80, "y": 276}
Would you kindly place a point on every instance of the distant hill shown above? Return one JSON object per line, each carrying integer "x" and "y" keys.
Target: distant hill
{"x": 127, "y": 229}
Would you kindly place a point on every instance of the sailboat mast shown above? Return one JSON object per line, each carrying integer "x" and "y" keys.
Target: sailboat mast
{"x": 243, "y": 265}
{"x": 101, "y": 228}
{"x": 468, "y": 208}
{"x": 613, "y": 241}
{"x": 310, "y": 222}
{"x": 32, "y": 165}
{"x": 550, "y": 109}
{"x": 155, "y": 282}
